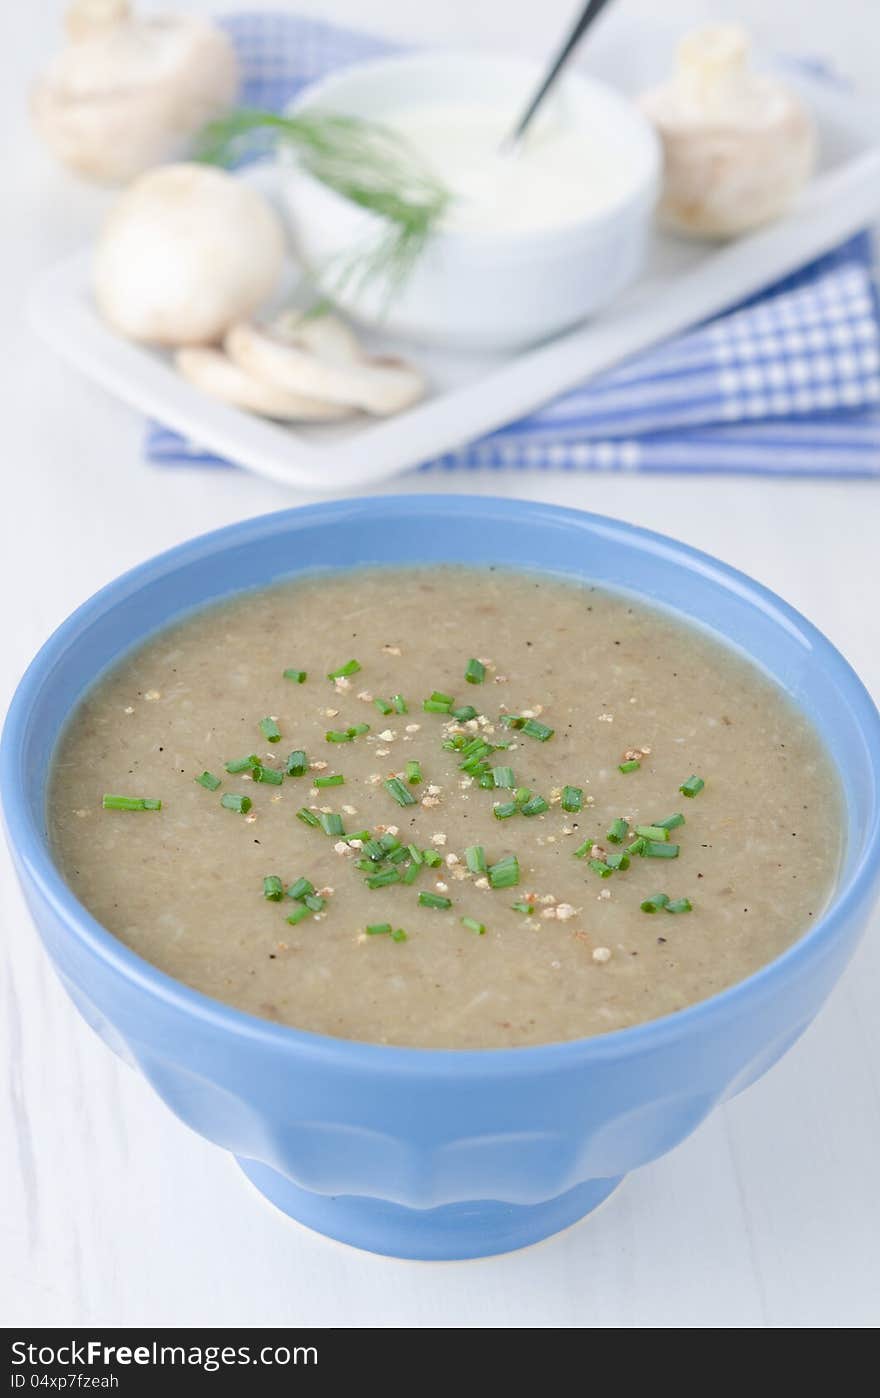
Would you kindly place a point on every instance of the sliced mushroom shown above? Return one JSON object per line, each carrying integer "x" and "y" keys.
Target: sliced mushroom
{"x": 318, "y": 357}
{"x": 214, "y": 373}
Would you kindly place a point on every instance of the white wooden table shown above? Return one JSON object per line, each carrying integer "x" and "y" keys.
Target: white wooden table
{"x": 113, "y": 1213}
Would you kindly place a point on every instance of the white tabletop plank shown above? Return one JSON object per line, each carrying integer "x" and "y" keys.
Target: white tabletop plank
{"x": 111, "y": 1211}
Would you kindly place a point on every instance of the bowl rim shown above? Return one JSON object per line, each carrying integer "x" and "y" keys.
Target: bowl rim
{"x": 28, "y": 844}
{"x": 640, "y": 128}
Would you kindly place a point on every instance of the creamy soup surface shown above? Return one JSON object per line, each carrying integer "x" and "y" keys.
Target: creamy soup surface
{"x": 183, "y": 886}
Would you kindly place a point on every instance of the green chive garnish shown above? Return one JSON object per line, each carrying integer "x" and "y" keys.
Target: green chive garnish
{"x": 599, "y": 867}
{"x": 337, "y": 779}
{"x": 485, "y": 781}
{"x": 414, "y": 853}
{"x": 536, "y": 806}
{"x": 300, "y": 888}
{"x": 692, "y": 786}
{"x": 464, "y": 713}
{"x": 503, "y": 810}
{"x": 350, "y": 667}
{"x": 379, "y": 929}
{"x": 572, "y": 798}
{"x": 396, "y": 789}
{"x": 475, "y": 672}
{"x": 473, "y": 926}
{"x": 270, "y": 775}
{"x": 632, "y": 766}
{"x": 523, "y": 907}
{"x": 273, "y": 888}
{"x": 637, "y": 847}
{"x": 652, "y": 832}
{"x": 315, "y": 902}
{"x": 513, "y": 721}
{"x": 233, "y": 802}
{"x": 533, "y": 729}
{"x": 680, "y": 905}
{"x": 522, "y": 794}
{"x": 331, "y": 823}
{"x": 437, "y": 706}
{"x": 399, "y": 703}
{"x": 397, "y": 856}
{"x": 297, "y": 763}
{"x": 398, "y": 935}
{"x": 383, "y": 706}
{"x": 654, "y": 902}
{"x": 656, "y": 849}
{"x": 431, "y": 858}
{"x": 298, "y": 914}
{"x": 381, "y": 880}
{"x": 388, "y": 841}
{"x": 617, "y": 859}
{"x": 208, "y": 780}
{"x": 339, "y": 735}
{"x": 373, "y": 850}
{"x": 270, "y": 730}
{"x": 616, "y": 831}
{"x": 413, "y": 773}
{"x": 307, "y": 817}
{"x": 434, "y": 900}
{"x": 133, "y": 803}
{"x": 504, "y": 874}
{"x": 671, "y": 822}
{"x": 242, "y": 764}
{"x": 503, "y": 776}
{"x": 358, "y": 730}
{"x": 298, "y": 676}
{"x": 475, "y": 858}
{"x": 411, "y": 872}
{"x": 583, "y": 850}
{"x": 361, "y": 835}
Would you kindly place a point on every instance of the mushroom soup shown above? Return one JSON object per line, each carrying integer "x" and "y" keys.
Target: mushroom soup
{"x": 450, "y": 808}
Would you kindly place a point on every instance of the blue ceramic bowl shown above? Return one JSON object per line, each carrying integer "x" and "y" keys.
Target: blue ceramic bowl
{"x": 414, "y": 1152}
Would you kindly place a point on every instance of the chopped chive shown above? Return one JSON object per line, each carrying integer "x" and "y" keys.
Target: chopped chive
{"x": 652, "y": 832}
{"x": 413, "y": 772}
{"x": 399, "y": 703}
{"x": 464, "y": 713}
{"x": 475, "y": 672}
{"x": 486, "y": 782}
{"x": 503, "y": 810}
{"x": 533, "y": 729}
{"x": 523, "y": 907}
{"x": 475, "y": 858}
{"x": 307, "y": 817}
{"x": 331, "y": 823}
{"x": 583, "y": 850}
{"x": 414, "y": 853}
{"x": 434, "y": 900}
{"x": 242, "y": 764}
{"x": 270, "y": 775}
{"x": 398, "y": 935}
{"x": 671, "y": 822}
{"x": 536, "y": 806}
{"x": 411, "y": 872}
{"x": 339, "y": 735}
{"x": 396, "y": 789}
{"x": 382, "y": 879}
{"x": 378, "y": 929}
{"x": 438, "y": 697}
{"x": 298, "y": 676}
{"x": 132, "y": 803}
{"x": 209, "y": 781}
{"x": 473, "y": 926}
{"x": 315, "y": 902}
{"x": 632, "y": 766}
{"x": 383, "y": 706}
{"x": 299, "y": 888}
{"x": 389, "y": 841}
{"x": 299, "y": 913}
{"x": 599, "y": 867}
{"x": 616, "y": 831}
{"x": 637, "y": 847}
{"x": 357, "y": 730}
{"x": 692, "y": 786}
{"x": 436, "y": 706}
{"x": 572, "y": 798}
{"x": 654, "y": 902}
{"x": 273, "y": 888}
{"x": 680, "y": 905}
{"x": 373, "y": 850}
{"x": 504, "y": 874}
{"x": 350, "y": 667}
{"x": 397, "y": 856}
{"x": 296, "y": 763}
{"x": 617, "y": 859}
{"x": 513, "y": 721}
{"x": 233, "y": 802}
{"x": 364, "y": 865}
{"x": 337, "y": 779}
{"x": 476, "y": 745}
{"x": 503, "y": 777}
{"x": 431, "y": 858}
{"x": 522, "y": 794}
{"x": 453, "y": 744}
{"x": 361, "y": 835}
{"x": 656, "y": 849}
{"x": 270, "y": 730}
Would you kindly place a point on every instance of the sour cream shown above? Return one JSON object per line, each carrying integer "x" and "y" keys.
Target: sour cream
{"x": 559, "y": 174}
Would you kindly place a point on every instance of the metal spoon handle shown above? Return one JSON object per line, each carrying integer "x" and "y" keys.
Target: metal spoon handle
{"x": 591, "y": 12}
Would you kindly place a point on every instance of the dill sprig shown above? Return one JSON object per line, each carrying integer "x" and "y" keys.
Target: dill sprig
{"x": 365, "y": 162}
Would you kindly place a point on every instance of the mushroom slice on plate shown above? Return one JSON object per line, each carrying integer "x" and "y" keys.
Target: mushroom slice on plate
{"x": 214, "y": 373}
{"x": 316, "y": 359}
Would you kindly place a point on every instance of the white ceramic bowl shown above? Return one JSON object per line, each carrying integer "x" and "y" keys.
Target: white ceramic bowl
{"x": 479, "y": 290}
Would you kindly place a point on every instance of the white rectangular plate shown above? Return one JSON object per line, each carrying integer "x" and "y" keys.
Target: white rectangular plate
{"x": 683, "y": 284}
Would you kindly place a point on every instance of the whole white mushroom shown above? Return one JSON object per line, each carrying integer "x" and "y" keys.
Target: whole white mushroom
{"x": 737, "y": 145}
{"x": 128, "y": 92}
{"x": 186, "y": 252}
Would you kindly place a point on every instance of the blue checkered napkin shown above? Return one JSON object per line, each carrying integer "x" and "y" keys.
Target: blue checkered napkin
{"x": 787, "y": 384}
